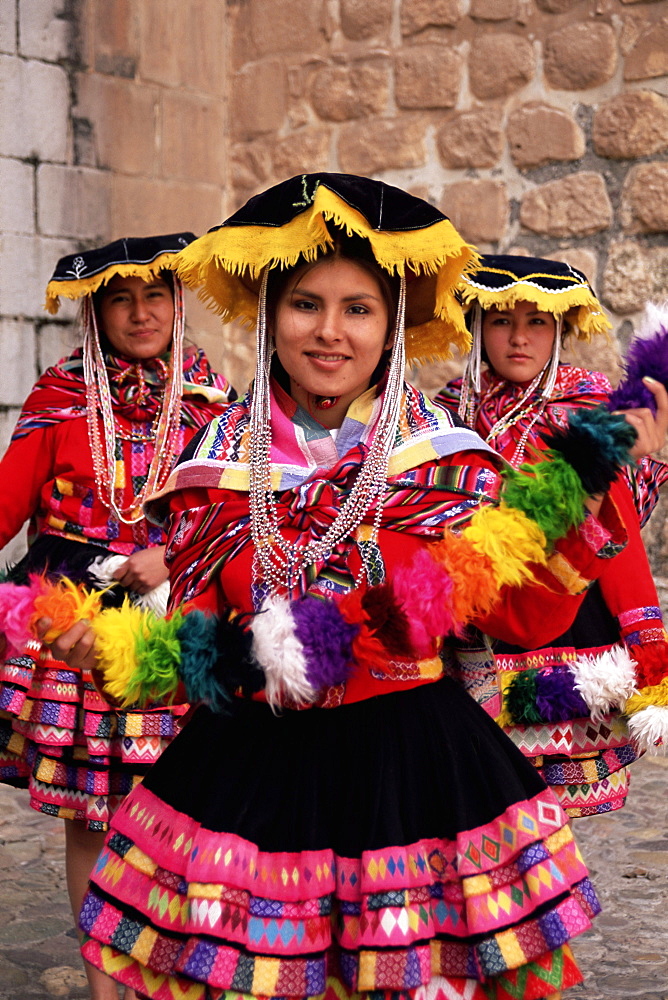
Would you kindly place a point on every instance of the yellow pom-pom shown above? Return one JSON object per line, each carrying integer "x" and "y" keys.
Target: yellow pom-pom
{"x": 510, "y": 540}
{"x": 65, "y": 603}
{"x": 116, "y": 633}
{"x": 656, "y": 694}
{"x": 505, "y": 679}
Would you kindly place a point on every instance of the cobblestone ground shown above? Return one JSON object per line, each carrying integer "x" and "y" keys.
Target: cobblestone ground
{"x": 626, "y": 955}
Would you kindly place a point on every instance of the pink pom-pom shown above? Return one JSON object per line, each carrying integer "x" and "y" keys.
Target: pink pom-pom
{"x": 17, "y": 605}
{"x": 423, "y": 589}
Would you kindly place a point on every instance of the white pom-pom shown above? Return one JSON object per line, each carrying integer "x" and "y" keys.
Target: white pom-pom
{"x": 103, "y": 568}
{"x": 605, "y": 681}
{"x": 280, "y": 654}
{"x": 654, "y": 317}
{"x": 649, "y": 728}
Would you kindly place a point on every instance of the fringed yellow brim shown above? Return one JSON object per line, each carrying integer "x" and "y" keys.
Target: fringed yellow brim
{"x": 578, "y": 305}
{"x": 225, "y": 263}
{"x": 77, "y": 288}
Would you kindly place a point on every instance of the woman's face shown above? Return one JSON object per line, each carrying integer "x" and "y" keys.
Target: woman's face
{"x": 137, "y": 316}
{"x": 330, "y": 330}
{"x": 519, "y": 341}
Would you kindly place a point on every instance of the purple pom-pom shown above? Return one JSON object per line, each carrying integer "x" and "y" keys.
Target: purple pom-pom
{"x": 557, "y": 698}
{"x": 326, "y": 639}
{"x": 646, "y": 356}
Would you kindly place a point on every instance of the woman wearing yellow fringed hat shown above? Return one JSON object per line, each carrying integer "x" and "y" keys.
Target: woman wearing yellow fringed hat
{"x": 588, "y": 703}
{"x": 99, "y": 431}
{"x": 338, "y": 818}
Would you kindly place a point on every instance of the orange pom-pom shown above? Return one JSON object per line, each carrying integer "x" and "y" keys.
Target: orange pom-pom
{"x": 64, "y": 603}
{"x": 475, "y": 591}
{"x": 368, "y": 650}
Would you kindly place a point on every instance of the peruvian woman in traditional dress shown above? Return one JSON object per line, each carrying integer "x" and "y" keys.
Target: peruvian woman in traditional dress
{"x": 100, "y": 430}
{"x": 515, "y": 391}
{"x": 338, "y": 819}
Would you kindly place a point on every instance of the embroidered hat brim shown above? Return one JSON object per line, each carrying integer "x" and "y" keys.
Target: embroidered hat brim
{"x": 555, "y": 287}
{"x": 288, "y": 223}
{"x": 80, "y": 274}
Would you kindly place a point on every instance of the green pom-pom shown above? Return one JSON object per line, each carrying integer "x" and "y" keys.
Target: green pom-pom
{"x": 158, "y": 656}
{"x": 550, "y": 493}
{"x": 520, "y": 699}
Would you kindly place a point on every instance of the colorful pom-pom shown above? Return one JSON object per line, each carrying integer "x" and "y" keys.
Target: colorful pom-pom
{"x": 158, "y": 655}
{"x": 326, "y": 639}
{"x": 647, "y": 356}
{"x": 557, "y": 697}
{"x": 280, "y": 654}
{"x": 423, "y": 591}
{"x": 509, "y": 540}
{"x": 520, "y": 699}
{"x": 652, "y": 663}
{"x": 17, "y": 607}
{"x": 649, "y": 729}
{"x": 596, "y": 444}
{"x": 65, "y": 603}
{"x": 605, "y": 681}
{"x": 116, "y": 633}
{"x": 475, "y": 590}
{"x": 197, "y": 636}
{"x": 549, "y": 493}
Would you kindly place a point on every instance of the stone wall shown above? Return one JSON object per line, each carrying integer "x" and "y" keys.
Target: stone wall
{"x": 112, "y": 123}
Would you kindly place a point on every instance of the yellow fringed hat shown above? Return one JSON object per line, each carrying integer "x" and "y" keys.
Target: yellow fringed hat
{"x": 80, "y": 274}
{"x": 555, "y": 287}
{"x": 288, "y": 223}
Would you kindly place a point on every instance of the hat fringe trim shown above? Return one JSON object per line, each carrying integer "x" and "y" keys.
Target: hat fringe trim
{"x": 434, "y": 250}
{"x": 77, "y": 288}
{"x": 587, "y": 317}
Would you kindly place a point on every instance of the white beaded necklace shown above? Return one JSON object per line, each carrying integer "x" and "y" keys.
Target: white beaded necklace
{"x": 278, "y": 563}
{"x": 470, "y": 399}
{"x": 98, "y": 399}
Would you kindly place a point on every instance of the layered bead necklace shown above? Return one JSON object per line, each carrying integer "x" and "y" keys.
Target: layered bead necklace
{"x": 278, "y": 563}
{"x": 99, "y": 401}
{"x": 470, "y": 400}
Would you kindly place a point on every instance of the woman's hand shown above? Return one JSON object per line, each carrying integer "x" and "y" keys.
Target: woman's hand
{"x": 651, "y": 429}
{"x": 144, "y": 570}
{"x": 76, "y": 646}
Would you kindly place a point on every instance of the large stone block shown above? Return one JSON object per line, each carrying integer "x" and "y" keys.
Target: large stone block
{"x": 627, "y": 281}
{"x": 361, "y": 20}
{"x": 494, "y": 10}
{"x": 427, "y": 76}
{"x": 26, "y": 264}
{"x": 556, "y": 6}
{"x": 48, "y": 30}
{"x": 472, "y": 139}
{"x": 193, "y": 137}
{"x": 658, "y": 268}
{"x": 645, "y": 198}
{"x": 115, "y": 32}
{"x": 32, "y": 124}
{"x": 302, "y": 152}
{"x": 73, "y": 201}
{"x": 386, "y": 144}
{"x": 343, "y": 93}
{"x": 500, "y": 64}
{"x": 416, "y": 15}
{"x": 183, "y": 44}
{"x": 631, "y": 125}
{"x": 479, "y": 209}
{"x": 259, "y": 99}
{"x": 649, "y": 56}
{"x": 123, "y": 118}
{"x": 144, "y": 205}
{"x": 283, "y": 25}
{"x": 7, "y": 28}
{"x": 17, "y": 196}
{"x": 55, "y": 341}
{"x": 18, "y": 368}
{"x": 577, "y": 205}
{"x": 539, "y": 134}
{"x": 580, "y": 55}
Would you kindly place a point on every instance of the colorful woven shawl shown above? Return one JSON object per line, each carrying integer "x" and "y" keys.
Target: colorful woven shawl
{"x": 60, "y": 393}
{"x": 313, "y": 476}
{"x": 575, "y": 387}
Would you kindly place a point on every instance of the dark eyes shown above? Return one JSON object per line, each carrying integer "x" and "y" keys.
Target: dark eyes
{"x": 307, "y": 305}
